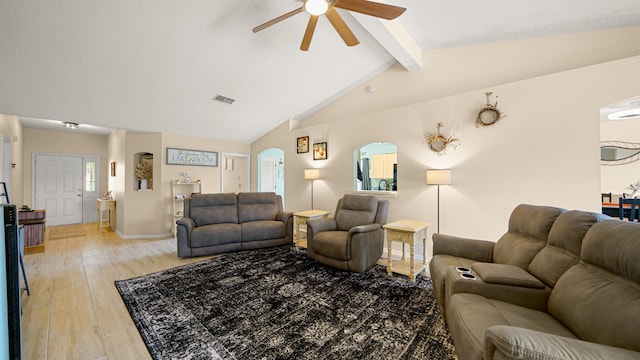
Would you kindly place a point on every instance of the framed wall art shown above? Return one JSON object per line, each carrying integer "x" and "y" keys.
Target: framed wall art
{"x": 320, "y": 151}
{"x": 303, "y": 144}
{"x": 191, "y": 157}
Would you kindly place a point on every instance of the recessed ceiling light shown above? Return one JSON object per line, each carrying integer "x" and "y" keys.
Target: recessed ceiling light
{"x": 70, "y": 125}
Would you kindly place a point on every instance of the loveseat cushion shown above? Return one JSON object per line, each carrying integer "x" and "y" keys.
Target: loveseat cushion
{"x": 469, "y": 315}
{"x": 563, "y": 248}
{"x": 263, "y": 230}
{"x": 529, "y": 227}
{"x": 355, "y": 210}
{"x": 215, "y": 234}
{"x": 209, "y": 209}
{"x": 598, "y": 298}
{"x": 256, "y": 206}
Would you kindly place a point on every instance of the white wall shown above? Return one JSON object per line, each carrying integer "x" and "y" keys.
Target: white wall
{"x": 545, "y": 152}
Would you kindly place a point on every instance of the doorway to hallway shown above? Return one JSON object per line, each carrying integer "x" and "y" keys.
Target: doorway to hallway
{"x": 67, "y": 187}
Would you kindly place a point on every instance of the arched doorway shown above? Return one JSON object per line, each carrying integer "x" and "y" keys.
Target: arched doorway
{"x": 271, "y": 171}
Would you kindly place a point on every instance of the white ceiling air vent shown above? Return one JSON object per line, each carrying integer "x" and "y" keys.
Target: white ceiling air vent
{"x": 224, "y": 99}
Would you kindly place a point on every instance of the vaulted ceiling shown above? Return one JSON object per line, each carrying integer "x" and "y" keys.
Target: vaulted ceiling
{"x": 156, "y": 65}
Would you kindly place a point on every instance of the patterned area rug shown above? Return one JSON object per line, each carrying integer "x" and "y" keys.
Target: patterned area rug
{"x": 66, "y": 231}
{"x": 278, "y": 304}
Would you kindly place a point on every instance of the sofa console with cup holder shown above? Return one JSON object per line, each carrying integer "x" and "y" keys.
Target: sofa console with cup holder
{"x": 558, "y": 285}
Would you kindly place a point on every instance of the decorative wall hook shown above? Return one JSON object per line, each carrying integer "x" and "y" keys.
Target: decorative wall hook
{"x": 13, "y": 165}
{"x": 438, "y": 143}
{"x": 489, "y": 114}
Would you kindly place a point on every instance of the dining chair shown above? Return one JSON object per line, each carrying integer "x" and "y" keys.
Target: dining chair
{"x": 634, "y": 209}
{"x": 606, "y": 196}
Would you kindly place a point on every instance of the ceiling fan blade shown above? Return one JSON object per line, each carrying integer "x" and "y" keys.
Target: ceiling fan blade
{"x": 278, "y": 19}
{"x": 308, "y": 34}
{"x": 380, "y": 10}
{"x": 341, "y": 27}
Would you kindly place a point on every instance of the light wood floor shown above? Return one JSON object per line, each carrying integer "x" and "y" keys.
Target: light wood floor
{"x": 75, "y": 311}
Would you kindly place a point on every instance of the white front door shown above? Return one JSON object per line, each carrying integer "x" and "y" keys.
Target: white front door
{"x": 59, "y": 188}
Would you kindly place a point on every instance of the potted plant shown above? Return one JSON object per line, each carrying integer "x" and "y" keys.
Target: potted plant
{"x": 144, "y": 171}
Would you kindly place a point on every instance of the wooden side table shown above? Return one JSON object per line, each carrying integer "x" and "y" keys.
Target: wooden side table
{"x": 34, "y": 222}
{"x": 108, "y": 206}
{"x": 301, "y": 217}
{"x": 407, "y": 232}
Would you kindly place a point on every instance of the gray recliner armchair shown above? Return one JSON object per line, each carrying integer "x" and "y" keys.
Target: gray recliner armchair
{"x": 353, "y": 239}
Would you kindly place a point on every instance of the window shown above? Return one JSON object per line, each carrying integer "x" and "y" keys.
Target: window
{"x": 376, "y": 167}
{"x": 90, "y": 176}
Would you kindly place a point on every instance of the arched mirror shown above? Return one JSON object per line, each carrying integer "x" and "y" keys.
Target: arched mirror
{"x": 376, "y": 167}
{"x": 618, "y": 152}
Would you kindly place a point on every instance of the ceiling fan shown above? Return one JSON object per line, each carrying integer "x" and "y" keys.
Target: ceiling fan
{"x": 316, "y": 8}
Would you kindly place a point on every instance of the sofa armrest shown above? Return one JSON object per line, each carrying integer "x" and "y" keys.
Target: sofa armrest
{"x": 284, "y": 216}
{"x": 508, "y": 342}
{"x": 364, "y": 228}
{"x": 184, "y": 226}
{"x": 479, "y": 250}
{"x": 315, "y": 226}
{"x": 287, "y": 218}
{"x": 318, "y": 225}
{"x": 187, "y": 223}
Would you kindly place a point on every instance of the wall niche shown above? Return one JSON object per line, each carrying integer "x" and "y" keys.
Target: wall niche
{"x": 143, "y": 171}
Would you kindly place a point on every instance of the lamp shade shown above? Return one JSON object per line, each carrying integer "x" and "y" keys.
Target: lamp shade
{"x": 438, "y": 177}
{"x": 311, "y": 174}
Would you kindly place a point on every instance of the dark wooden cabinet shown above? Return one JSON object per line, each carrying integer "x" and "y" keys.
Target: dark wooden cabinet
{"x": 34, "y": 225}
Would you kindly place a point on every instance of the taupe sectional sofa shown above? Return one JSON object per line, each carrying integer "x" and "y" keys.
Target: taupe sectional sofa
{"x": 219, "y": 223}
{"x": 558, "y": 285}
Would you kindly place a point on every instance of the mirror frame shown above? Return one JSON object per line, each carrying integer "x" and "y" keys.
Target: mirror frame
{"x": 620, "y": 145}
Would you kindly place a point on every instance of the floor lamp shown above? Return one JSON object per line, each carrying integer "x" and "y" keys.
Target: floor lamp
{"x": 438, "y": 177}
{"x": 312, "y": 174}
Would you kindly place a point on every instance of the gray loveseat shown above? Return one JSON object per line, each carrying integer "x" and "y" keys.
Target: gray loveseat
{"x": 219, "y": 223}
{"x": 577, "y": 298}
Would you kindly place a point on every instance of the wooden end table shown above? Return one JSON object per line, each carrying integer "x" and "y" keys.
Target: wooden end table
{"x": 407, "y": 232}
{"x": 301, "y": 217}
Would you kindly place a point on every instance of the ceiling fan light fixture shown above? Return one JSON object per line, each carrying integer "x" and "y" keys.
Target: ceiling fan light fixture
{"x": 316, "y": 7}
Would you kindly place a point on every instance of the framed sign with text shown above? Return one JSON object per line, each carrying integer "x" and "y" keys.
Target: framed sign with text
{"x": 191, "y": 157}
